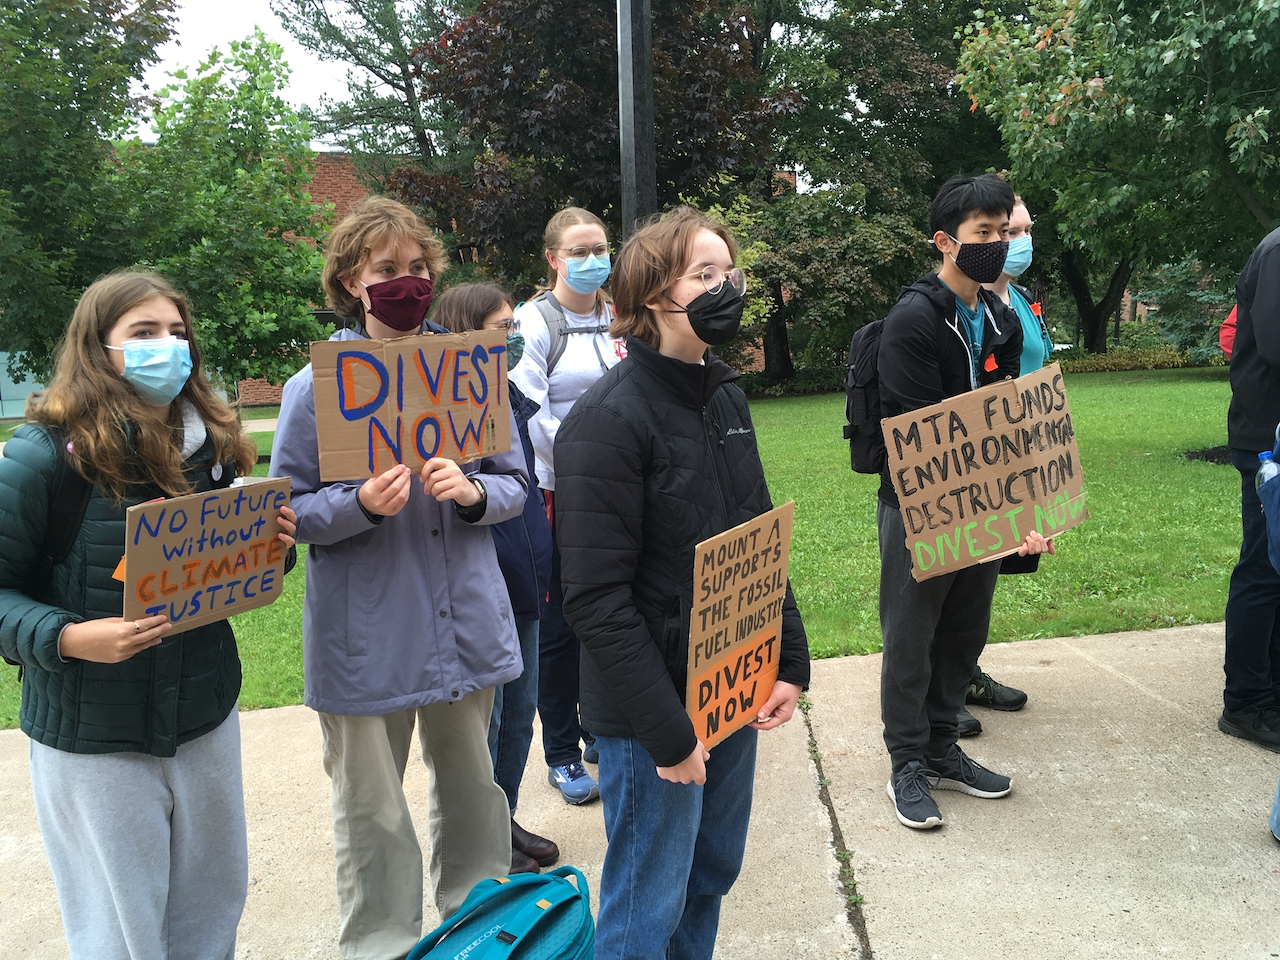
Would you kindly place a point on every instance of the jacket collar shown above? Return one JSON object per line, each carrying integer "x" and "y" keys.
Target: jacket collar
{"x": 998, "y": 325}
{"x": 691, "y": 383}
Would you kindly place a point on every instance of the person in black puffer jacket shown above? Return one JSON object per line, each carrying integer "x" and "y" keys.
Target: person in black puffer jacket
{"x": 135, "y": 742}
{"x": 657, "y": 456}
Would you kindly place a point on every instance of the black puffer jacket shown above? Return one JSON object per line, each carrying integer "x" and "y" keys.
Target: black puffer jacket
{"x": 924, "y": 353}
{"x": 1255, "y": 356}
{"x": 151, "y": 703}
{"x": 655, "y": 457}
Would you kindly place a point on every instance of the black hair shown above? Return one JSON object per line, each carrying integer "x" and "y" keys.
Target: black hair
{"x": 962, "y": 197}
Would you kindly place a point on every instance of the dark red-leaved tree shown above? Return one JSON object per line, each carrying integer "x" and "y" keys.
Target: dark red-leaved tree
{"x": 535, "y": 87}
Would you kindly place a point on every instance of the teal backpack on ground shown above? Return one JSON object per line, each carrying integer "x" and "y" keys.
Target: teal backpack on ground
{"x": 530, "y": 916}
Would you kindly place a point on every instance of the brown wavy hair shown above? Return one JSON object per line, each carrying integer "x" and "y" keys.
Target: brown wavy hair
{"x": 352, "y": 241}
{"x": 463, "y": 307}
{"x": 556, "y": 226}
{"x": 118, "y": 440}
{"x": 652, "y": 259}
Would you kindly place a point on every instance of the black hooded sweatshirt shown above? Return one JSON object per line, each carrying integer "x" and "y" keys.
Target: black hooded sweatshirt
{"x": 924, "y": 352}
{"x": 1255, "y": 357}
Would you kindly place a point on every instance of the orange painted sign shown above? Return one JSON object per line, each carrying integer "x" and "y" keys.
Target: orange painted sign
{"x": 739, "y": 581}
{"x": 206, "y": 556}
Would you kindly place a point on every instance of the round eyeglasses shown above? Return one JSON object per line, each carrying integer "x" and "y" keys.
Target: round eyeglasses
{"x": 580, "y": 254}
{"x": 713, "y": 278}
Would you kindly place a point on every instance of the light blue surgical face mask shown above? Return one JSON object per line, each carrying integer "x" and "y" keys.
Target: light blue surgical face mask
{"x": 1019, "y": 256}
{"x": 157, "y": 368}
{"x": 588, "y": 275}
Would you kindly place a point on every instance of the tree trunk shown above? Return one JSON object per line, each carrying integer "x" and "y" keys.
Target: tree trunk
{"x": 1094, "y": 316}
{"x": 777, "y": 347}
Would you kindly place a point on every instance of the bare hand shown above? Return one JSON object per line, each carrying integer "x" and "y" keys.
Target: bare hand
{"x": 288, "y": 521}
{"x": 385, "y": 495}
{"x": 692, "y": 769}
{"x": 444, "y": 480}
{"x": 111, "y": 639}
{"x": 780, "y": 706}
{"x": 1036, "y": 543}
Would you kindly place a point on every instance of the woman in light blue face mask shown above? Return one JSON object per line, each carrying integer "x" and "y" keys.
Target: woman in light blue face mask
{"x": 567, "y": 348}
{"x": 135, "y": 737}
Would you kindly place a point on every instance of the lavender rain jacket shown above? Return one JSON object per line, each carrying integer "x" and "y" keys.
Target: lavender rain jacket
{"x": 409, "y": 611}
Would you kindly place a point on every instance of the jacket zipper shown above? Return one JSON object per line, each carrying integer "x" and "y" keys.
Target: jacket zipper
{"x": 715, "y": 464}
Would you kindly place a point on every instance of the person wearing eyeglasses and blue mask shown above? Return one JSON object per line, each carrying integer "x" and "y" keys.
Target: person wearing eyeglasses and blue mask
{"x": 567, "y": 348}
{"x": 1037, "y": 348}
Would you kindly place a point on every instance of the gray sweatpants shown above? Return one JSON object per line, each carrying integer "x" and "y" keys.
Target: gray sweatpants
{"x": 149, "y": 855}
{"x": 933, "y": 635}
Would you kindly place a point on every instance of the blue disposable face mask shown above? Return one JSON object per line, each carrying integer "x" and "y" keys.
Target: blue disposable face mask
{"x": 587, "y": 276}
{"x": 1018, "y": 258}
{"x": 157, "y": 368}
{"x": 515, "y": 349}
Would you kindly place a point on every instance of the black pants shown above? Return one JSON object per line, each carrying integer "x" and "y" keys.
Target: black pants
{"x": 1252, "y": 661}
{"x": 558, "y": 652}
{"x": 933, "y": 635}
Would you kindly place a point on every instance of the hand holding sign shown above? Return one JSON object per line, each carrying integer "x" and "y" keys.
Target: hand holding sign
{"x": 444, "y": 480}
{"x": 780, "y": 706}
{"x": 111, "y": 639}
{"x": 386, "y": 494}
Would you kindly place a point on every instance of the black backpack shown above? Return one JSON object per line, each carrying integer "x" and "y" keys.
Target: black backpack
{"x": 867, "y": 453}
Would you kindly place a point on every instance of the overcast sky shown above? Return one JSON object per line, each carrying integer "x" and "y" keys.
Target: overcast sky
{"x": 205, "y": 24}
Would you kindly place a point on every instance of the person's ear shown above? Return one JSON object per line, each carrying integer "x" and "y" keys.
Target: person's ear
{"x": 943, "y": 242}
{"x": 353, "y": 286}
{"x": 551, "y": 261}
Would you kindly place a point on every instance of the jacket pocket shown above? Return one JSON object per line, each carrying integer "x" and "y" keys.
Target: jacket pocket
{"x": 361, "y": 608}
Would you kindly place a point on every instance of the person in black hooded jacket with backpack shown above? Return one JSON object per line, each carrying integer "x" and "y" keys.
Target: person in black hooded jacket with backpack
{"x": 657, "y": 456}
{"x": 945, "y": 336}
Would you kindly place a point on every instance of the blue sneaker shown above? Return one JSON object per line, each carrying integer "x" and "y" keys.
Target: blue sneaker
{"x": 576, "y": 785}
{"x": 589, "y": 753}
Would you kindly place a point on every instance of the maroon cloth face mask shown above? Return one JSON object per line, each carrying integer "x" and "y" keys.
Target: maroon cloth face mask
{"x": 402, "y": 303}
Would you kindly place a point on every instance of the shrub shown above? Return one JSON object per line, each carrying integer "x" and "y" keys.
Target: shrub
{"x": 1162, "y": 357}
{"x": 806, "y": 380}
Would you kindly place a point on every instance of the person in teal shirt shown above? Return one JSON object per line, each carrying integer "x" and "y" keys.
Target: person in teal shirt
{"x": 1037, "y": 347}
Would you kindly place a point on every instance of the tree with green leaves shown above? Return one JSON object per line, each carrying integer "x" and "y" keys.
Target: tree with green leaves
{"x": 1150, "y": 127}
{"x": 221, "y": 208}
{"x": 66, "y": 67}
{"x": 386, "y": 118}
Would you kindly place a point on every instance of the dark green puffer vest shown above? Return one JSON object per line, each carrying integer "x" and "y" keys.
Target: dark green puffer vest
{"x": 151, "y": 703}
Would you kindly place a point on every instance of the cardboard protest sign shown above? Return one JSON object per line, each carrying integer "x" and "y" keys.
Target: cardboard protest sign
{"x": 975, "y": 473}
{"x": 205, "y": 556}
{"x": 739, "y": 582}
{"x": 383, "y": 402}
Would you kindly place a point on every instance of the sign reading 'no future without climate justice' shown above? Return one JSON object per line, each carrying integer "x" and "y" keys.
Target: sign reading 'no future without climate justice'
{"x": 383, "y": 402}
{"x": 739, "y": 582}
{"x": 975, "y": 473}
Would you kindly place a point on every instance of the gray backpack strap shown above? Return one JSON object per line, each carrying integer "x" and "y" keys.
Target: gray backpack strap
{"x": 557, "y": 327}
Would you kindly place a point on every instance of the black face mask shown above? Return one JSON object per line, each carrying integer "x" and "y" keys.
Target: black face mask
{"x": 981, "y": 262}
{"x": 716, "y": 317}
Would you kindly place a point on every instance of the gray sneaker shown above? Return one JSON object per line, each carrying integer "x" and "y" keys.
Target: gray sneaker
{"x": 955, "y": 771}
{"x": 908, "y": 788}
{"x": 967, "y": 725}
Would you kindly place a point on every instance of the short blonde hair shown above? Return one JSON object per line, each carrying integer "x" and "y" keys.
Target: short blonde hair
{"x": 377, "y": 220}
{"x": 652, "y": 259}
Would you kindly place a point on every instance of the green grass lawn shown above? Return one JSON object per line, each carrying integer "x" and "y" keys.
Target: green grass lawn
{"x": 1156, "y": 552}
{"x": 7, "y": 427}
{"x": 259, "y": 413}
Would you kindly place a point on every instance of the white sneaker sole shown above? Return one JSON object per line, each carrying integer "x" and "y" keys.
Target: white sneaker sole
{"x": 941, "y": 783}
{"x": 928, "y": 824}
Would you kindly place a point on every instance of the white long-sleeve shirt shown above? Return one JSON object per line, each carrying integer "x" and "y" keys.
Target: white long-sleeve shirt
{"x": 586, "y": 357}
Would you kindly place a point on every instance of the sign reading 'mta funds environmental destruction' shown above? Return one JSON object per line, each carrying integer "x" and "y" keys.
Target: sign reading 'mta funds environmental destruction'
{"x": 739, "y": 582}
{"x": 205, "y": 556}
{"x": 975, "y": 473}
{"x": 383, "y": 402}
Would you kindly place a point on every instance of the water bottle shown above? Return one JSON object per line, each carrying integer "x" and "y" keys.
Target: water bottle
{"x": 1267, "y": 468}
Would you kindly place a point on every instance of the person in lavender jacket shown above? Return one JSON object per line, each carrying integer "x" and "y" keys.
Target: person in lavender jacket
{"x": 407, "y": 619}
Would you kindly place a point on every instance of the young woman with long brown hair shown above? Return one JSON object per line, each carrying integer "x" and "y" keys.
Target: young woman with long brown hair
{"x": 135, "y": 742}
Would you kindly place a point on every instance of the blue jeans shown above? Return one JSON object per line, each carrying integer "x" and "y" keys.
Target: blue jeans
{"x": 558, "y": 654}
{"x": 667, "y": 865}
{"x": 1252, "y": 661}
{"x": 511, "y": 726}
{"x": 1275, "y": 814}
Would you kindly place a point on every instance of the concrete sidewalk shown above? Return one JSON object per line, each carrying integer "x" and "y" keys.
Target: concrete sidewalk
{"x": 1135, "y": 828}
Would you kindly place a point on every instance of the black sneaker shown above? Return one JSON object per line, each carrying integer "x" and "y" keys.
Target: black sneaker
{"x": 986, "y": 692}
{"x": 908, "y": 788}
{"x": 967, "y": 724}
{"x": 1259, "y": 724}
{"x": 956, "y": 771}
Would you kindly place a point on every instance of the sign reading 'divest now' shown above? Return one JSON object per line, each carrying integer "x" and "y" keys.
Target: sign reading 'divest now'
{"x": 975, "y": 473}
{"x": 383, "y": 402}
{"x": 739, "y": 582}
{"x": 205, "y": 556}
